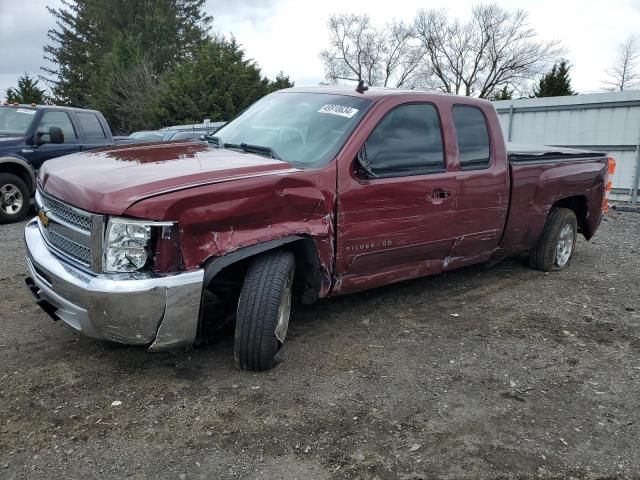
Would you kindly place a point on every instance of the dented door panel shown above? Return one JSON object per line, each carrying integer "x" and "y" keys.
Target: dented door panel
{"x": 391, "y": 229}
{"x": 483, "y": 192}
{"x": 389, "y": 225}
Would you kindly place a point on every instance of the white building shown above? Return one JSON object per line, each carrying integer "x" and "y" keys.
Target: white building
{"x": 607, "y": 122}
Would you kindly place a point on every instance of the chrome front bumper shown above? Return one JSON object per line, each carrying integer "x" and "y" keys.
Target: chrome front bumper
{"x": 137, "y": 308}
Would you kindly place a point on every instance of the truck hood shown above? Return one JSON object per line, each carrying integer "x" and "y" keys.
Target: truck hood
{"x": 9, "y": 139}
{"x": 8, "y": 144}
{"x": 111, "y": 180}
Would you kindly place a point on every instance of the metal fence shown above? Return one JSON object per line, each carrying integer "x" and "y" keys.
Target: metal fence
{"x": 607, "y": 122}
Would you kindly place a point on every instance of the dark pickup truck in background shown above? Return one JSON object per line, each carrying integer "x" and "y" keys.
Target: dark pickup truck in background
{"x": 32, "y": 134}
{"x": 309, "y": 193}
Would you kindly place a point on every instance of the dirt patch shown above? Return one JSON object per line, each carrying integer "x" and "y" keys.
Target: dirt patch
{"x": 483, "y": 372}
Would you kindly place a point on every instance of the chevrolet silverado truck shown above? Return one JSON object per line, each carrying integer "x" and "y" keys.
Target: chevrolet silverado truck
{"x": 32, "y": 134}
{"x": 309, "y": 193}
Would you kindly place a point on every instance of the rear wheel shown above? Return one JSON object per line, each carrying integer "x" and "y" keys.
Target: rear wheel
{"x": 264, "y": 309}
{"x": 557, "y": 242}
{"x": 14, "y": 198}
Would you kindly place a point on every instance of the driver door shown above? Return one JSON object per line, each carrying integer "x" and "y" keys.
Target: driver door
{"x": 395, "y": 217}
{"x": 71, "y": 144}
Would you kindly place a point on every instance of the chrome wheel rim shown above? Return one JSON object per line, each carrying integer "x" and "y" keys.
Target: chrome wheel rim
{"x": 11, "y": 199}
{"x": 565, "y": 245}
{"x": 284, "y": 311}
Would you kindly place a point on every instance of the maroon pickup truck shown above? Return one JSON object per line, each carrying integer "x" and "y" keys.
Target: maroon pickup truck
{"x": 309, "y": 193}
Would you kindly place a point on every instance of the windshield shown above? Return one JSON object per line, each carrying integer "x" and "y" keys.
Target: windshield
{"x": 304, "y": 129}
{"x": 16, "y": 121}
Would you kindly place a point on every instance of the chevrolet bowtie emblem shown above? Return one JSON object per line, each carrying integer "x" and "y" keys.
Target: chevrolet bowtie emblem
{"x": 42, "y": 215}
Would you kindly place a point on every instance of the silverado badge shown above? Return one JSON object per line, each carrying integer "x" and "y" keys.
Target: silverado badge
{"x": 42, "y": 215}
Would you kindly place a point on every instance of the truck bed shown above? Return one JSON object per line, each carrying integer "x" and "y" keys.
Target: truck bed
{"x": 518, "y": 153}
{"x": 540, "y": 176}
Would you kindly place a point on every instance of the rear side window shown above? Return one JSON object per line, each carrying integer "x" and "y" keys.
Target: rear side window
{"x": 407, "y": 141}
{"x": 91, "y": 125}
{"x": 60, "y": 120}
{"x": 473, "y": 137}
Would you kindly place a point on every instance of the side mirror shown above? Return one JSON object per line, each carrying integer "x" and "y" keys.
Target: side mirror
{"x": 364, "y": 166}
{"x": 56, "y": 135}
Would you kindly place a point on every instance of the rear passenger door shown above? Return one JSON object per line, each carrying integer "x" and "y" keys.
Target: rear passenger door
{"x": 483, "y": 187}
{"x": 94, "y": 133}
{"x": 396, "y": 211}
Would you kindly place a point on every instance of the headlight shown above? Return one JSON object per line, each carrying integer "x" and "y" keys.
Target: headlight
{"x": 127, "y": 244}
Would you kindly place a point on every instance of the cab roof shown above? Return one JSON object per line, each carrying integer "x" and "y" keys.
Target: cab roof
{"x": 374, "y": 93}
{"x": 47, "y": 107}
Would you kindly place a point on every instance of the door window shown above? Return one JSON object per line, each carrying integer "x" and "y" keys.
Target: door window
{"x": 91, "y": 125}
{"x": 408, "y": 141}
{"x": 60, "y": 120}
{"x": 473, "y": 137}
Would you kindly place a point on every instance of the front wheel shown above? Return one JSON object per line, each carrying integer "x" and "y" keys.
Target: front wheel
{"x": 14, "y": 198}
{"x": 557, "y": 242}
{"x": 264, "y": 309}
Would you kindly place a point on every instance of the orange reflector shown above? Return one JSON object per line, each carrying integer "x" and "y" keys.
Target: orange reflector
{"x": 607, "y": 188}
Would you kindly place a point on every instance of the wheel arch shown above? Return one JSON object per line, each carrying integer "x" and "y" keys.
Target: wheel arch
{"x": 308, "y": 276}
{"x": 579, "y": 205}
{"x": 20, "y": 168}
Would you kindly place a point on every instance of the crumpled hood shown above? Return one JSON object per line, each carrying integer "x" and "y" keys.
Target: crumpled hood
{"x": 111, "y": 180}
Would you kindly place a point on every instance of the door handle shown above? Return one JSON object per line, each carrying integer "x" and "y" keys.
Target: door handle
{"x": 438, "y": 194}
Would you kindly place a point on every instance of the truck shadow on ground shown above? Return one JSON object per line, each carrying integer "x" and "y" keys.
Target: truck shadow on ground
{"x": 326, "y": 318}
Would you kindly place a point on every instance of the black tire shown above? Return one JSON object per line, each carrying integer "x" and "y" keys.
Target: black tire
{"x": 545, "y": 255}
{"x": 13, "y": 190}
{"x": 267, "y": 286}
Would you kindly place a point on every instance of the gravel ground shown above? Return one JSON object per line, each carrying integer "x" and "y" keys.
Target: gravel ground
{"x": 480, "y": 373}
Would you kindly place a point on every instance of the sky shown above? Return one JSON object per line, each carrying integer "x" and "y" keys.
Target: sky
{"x": 288, "y": 35}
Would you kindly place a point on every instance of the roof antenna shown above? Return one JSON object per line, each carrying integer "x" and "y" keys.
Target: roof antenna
{"x": 361, "y": 88}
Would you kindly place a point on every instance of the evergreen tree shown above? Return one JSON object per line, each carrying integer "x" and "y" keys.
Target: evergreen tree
{"x": 147, "y": 63}
{"x": 281, "y": 81}
{"x": 72, "y": 53}
{"x": 97, "y": 40}
{"x": 555, "y": 83}
{"x": 218, "y": 84}
{"x": 502, "y": 94}
{"x": 27, "y": 91}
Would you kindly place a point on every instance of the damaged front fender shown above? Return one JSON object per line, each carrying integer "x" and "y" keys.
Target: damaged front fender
{"x": 227, "y": 222}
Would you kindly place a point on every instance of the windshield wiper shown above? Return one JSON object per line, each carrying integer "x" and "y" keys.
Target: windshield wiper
{"x": 259, "y": 149}
{"x": 245, "y": 147}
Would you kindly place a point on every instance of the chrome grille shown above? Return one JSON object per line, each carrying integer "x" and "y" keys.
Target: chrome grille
{"x": 78, "y": 252}
{"x": 71, "y": 232}
{"x": 64, "y": 212}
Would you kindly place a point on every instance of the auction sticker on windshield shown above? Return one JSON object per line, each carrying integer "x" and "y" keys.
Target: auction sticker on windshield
{"x": 27, "y": 111}
{"x": 341, "y": 110}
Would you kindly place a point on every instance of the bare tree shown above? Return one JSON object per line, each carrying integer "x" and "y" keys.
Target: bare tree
{"x": 401, "y": 55}
{"x": 347, "y": 58}
{"x": 134, "y": 91}
{"x": 625, "y": 71}
{"x": 494, "y": 49}
{"x": 381, "y": 57}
